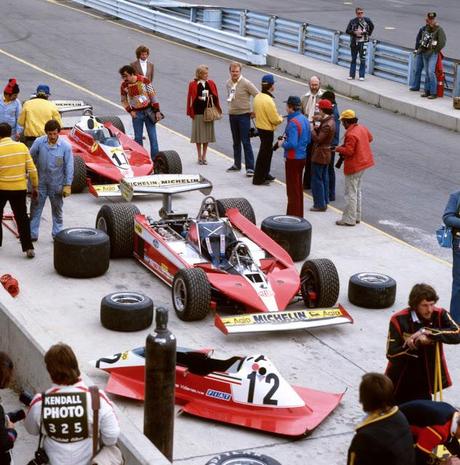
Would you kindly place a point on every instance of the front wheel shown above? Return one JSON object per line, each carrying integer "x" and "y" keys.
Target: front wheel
{"x": 167, "y": 162}
{"x": 319, "y": 283}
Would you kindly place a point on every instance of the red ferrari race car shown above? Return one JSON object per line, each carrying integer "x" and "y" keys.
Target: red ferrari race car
{"x": 104, "y": 154}
{"x": 245, "y": 391}
{"x": 221, "y": 260}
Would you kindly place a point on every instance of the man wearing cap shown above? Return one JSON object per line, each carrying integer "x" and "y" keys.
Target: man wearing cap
{"x": 357, "y": 154}
{"x": 239, "y": 92}
{"x": 294, "y": 142}
{"x": 322, "y": 136}
{"x": 267, "y": 119}
{"x": 36, "y": 112}
{"x": 10, "y": 107}
{"x": 432, "y": 41}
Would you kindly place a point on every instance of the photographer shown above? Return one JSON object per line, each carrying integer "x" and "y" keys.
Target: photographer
{"x": 7, "y": 432}
{"x": 64, "y": 415}
{"x": 413, "y": 336}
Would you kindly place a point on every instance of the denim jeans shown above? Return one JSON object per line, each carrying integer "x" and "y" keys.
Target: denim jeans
{"x": 361, "y": 50}
{"x": 36, "y": 209}
{"x": 455, "y": 298}
{"x": 429, "y": 64}
{"x": 417, "y": 76}
{"x": 138, "y": 125}
{"x": 320, "y": 185}
{"x": 331, "y": 172}
{"x": 239, "y": 125}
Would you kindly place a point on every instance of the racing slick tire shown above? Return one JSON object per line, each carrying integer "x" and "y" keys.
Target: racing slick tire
{"x": 167, "y": 162}
{"x": 372, "y": 290}
{"x": 81, "y": 252}
{"x": 117, "y": 220}
{"x": 242, "y": 458}
{"x": 191, "y": 294}
{"x": 115, "y": 120}
{"x": 242, "y": 204}
{"x": 320, "y": 284}
{"x": 126, "y": 311}
{"x": 293, "y": 233}
{"x": 79, "y": 175}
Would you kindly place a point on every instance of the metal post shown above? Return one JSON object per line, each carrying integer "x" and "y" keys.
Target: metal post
{"x": 411, "y": 68}
{"x": 271, "y": 29}
{"x": 193, "y": 12}
{"x": 243, "y": 21}
{"x": 301, "y": 38}
{"x": 456, "y": 88}
{"x": 371, "y": 56}
{"x": 335, "y": 47}
{"x": 160, "y": 380}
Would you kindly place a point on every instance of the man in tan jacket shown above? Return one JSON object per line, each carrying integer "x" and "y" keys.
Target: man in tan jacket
{"x": 142, "y": 66}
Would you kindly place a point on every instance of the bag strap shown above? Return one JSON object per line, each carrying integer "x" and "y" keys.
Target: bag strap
{"x": 96, "y": 405}
{"x": 210, "y": 102}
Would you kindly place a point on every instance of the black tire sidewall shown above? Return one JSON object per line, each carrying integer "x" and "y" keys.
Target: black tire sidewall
{"x": 257, "y": 459}
{"x": 367, "y": 294}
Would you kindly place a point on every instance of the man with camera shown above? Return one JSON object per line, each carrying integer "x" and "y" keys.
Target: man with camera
{"x": 432, "y": 41}
{"x": 267, "y": 119}
{"x": 359, "y": 29}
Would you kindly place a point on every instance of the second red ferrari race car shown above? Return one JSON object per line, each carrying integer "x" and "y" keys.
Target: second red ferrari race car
{"x": 221, "y": 260}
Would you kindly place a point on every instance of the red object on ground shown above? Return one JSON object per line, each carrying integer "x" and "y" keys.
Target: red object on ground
{"x": 440, "y": 76}
{"x": 10, "y": 284}
{"x": 9, "y": 221}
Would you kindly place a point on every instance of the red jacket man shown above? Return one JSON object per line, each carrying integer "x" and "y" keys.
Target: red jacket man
{"x": 357, "y": 153}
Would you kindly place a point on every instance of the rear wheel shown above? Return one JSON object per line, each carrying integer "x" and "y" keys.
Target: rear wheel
{"x": 320, "y": 284}
{"x": 242, "y": 204}
{"x": 191, "y": 294}
{"x": 115, "y": 120}
{"x": 79, "y": 175}
{"x": 167, "y": 162}
{"x": 117, "y": 220}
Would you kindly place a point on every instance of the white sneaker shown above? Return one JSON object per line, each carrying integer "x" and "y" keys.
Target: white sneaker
{"x": 361, "y": 79}
{"x": 249, "y": 173}
{"x": 350, "y": 78}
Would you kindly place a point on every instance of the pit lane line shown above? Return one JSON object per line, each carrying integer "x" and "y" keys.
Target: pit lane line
{"x": 220, "y": 154}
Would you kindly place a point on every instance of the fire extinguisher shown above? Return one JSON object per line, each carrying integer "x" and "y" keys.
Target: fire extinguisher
{"x": 440, "y": 76}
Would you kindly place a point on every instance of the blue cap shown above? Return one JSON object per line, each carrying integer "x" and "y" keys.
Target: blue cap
{"x": 293, "y": 100}
{"x": 268, "y": 79}
{"x": 43, "y": 89}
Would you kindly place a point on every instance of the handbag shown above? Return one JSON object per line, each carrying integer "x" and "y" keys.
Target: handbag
{"x": 444, "y": 236}
{"x": 107, "y": 455}
{"x": 211, "y": 113}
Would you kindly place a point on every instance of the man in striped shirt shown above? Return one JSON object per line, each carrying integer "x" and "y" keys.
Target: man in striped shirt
{"x": 16, "y": 165}
{"x": 139, "y": 99}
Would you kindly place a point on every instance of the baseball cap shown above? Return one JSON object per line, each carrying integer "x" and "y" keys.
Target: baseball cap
{"x": 325, "y": 104}
{"x": 431, "y": 15}
{"x": 43, "y": 89}
{"x": 268, "y": 79}
{"x": 293, "y": 100}
{"x": 347, "y": 114}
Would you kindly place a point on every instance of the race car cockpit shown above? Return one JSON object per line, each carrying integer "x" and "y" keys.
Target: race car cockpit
{"x": 98, "y": 131}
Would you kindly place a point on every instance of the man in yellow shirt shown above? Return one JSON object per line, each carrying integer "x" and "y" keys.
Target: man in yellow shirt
{"x": 16, "y": 165}
{"x": 36, "y": 112}
{"x": 267, "y": 118}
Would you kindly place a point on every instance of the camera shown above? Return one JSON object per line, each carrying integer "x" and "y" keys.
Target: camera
{"x": 40, "y": 457}
{"x": 18, "y": 415}
{"x": 275, "y": 146}
{"x": 339, "y": 163}
{"x": 253, "y": 132}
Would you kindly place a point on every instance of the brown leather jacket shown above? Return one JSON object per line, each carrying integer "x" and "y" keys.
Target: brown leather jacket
{"x": 322, "y": 137}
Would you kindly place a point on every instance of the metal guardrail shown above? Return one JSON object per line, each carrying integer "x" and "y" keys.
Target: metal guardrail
{"x": 190, "y": 30}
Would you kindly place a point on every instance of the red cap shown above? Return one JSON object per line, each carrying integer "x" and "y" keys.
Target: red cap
{"x": 12, "y": 87}
{"x": 325, "y": 104}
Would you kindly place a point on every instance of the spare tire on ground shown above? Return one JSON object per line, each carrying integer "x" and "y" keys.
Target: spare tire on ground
{"x": 167, "y": 162}
{"x": 81, "y": 252}
{"x": 242, "y": 458}
{"x": 242, "y": 204}
{"x": 126, "y": 311}
{"x": 293, "y": 233}
{"x": 372, "y": 290}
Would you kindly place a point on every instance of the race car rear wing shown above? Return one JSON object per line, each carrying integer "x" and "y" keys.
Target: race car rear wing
{"x": 65, "y": 106}
{"x": 283, "y": 320}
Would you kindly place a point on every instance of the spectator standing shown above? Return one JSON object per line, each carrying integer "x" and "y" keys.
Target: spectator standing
{"x": 432, "y": 42}
{"x": 267, "y": 119}
{"x": 322, "y": 136}
{"x": 384, "y": 436}
{"x": 329, "y": 95}
{"x": 201, "y": 91}
{"x": 416, "y": 78}
{"x": 142, "y": 65}
{"x": 10, "y": 107}
{"x": 358, "y": 157}
{"x": 451, "y": 218}
{"x": 16, "y": 166}
{"x": 295, "y": 140}
{"x": 53, "y": 159}
{"x": 36, "y": 112}
{"x": 8, "y": 433}
{"x": 359, "y": 29}
{"x": 433, "y": 424}
{"x": 413, "y": 337}
{"x": 139, "y": 99}
{"x": 239, "y": 92}
{"x": 68, "y": 429}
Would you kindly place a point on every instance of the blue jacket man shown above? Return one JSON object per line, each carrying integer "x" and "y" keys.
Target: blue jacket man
{"x": 296, "y": 138}
{"x": 54, "y": 161}
{"x": 451, "y": 218}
